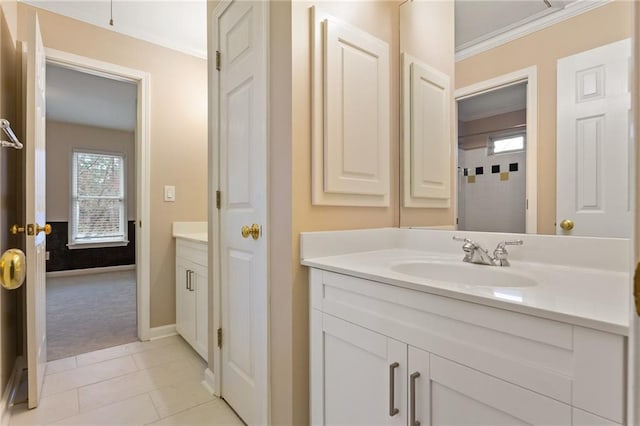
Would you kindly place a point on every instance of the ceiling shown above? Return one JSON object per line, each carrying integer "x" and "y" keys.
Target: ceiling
{"x": 80, "y": 98}
{"x": 500, "y": 101}
{"x": 176, "y": 24}
{"x": 479, "y": 20}
{"x": 181, "y": 25}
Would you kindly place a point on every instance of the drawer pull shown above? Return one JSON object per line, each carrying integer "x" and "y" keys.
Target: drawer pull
{"x": 392, "y": 389}
{"x": 412, "y": 400}
{"x": 191, "y": 280}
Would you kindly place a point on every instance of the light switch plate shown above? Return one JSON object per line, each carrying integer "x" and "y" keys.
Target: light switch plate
{"x": 169, "y": 193}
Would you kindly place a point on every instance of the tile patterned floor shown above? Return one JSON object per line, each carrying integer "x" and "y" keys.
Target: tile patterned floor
{"x": 140, "y": 383}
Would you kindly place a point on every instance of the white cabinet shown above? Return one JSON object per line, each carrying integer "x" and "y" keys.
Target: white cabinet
{"x": 192, "y": 294}
{"x": 441, "y": 361}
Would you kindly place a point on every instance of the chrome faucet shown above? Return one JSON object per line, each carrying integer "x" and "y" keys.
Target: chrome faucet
{"x": 475, "y": 253}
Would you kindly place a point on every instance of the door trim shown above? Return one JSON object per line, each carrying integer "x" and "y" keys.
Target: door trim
{"x": 530, "y": 75}
{"x": 143, "y": 167}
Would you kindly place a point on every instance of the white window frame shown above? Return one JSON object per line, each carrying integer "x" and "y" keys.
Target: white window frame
{"x": 493, "y": 138}
{"x": 74, "y": 243}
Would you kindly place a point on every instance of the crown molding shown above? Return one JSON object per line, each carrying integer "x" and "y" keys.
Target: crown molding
{"x": 516, "y": 31}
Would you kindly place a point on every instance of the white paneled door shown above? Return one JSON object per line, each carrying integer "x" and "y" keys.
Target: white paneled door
{"x": 35, "y": 209}
{"x": 242, "y": 130}
{"x": 593, "y": 143}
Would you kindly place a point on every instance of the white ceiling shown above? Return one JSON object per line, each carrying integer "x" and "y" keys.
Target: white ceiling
{"x": 80, "y": 98}
{"x": 176, "y": 24}
{"x": 501, "y": 101}
{"x": 479, "y": 20}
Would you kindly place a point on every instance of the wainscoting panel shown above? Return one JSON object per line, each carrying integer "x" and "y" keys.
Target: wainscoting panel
{"x": 63, "y": 259}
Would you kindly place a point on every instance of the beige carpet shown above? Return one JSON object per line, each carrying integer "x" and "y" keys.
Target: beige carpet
{"x": 90, "y": 312}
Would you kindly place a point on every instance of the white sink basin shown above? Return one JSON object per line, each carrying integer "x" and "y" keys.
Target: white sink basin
{"x": 462, "y": 273}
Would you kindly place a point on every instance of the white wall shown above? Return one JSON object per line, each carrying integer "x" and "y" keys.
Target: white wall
{"x": 491, "y": 204}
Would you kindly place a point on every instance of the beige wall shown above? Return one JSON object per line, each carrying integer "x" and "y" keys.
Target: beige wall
{"x": 9, "y": 300}
{"x": 427, "y": 33}
{"x": 62, "y": 139}
{"x": 601, "y": 26}
{"x": 178, "y": 133}
{"x": 381, "y": 19}
{"x": 488, "y": 126}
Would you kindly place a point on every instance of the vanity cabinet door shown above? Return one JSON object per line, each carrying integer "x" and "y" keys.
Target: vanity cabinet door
{"x": 199, "y": 283}
{"x": 185, "y": 301}
{"x": 364, "y": 380}
{"x": 463, "y": 396}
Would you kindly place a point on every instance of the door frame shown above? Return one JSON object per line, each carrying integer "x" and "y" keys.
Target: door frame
{"x": 143, "y": 168}
{"x": 530, "y": 76}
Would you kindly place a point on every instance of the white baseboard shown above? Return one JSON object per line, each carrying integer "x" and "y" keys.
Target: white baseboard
{"x": 6, "y": 403}
{"x": 209, "y": 381}
{"x": 163, "y": 331}
{"x": 88, "y": 271}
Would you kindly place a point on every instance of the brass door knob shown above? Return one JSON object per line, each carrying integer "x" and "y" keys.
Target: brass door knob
{"x": 36, "y": 229}
{"x": 567, "y": 224}
{"x": 253, "y": 230}
{"x": 12, "y": 269}
{"x": 15, "y": 229}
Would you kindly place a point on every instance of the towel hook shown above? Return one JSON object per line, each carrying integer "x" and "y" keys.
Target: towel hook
{"x": 13, "y": 140}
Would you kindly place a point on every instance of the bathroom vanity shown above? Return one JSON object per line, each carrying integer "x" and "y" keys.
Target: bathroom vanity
{"x": 403, "y": 332}
{"x": 192, "y": 284}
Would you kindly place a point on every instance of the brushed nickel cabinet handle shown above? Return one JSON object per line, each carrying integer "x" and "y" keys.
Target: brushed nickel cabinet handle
{"x": 392, "y": 389}
{"x": 186, "y": 279}
{"x": 191, "y": 280}
{"x": 412, "y": 400}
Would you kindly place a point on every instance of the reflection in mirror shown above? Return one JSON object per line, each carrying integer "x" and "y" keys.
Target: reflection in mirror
{"x": 492, "y": 133}
{"x": 578, "y": 168}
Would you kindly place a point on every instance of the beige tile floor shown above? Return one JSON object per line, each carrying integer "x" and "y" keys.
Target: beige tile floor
{"x": 157, "y": 382}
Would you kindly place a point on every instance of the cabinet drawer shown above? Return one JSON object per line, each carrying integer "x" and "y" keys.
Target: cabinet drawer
{"x": 192, "y": 250}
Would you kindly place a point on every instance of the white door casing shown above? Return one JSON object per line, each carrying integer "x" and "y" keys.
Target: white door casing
{"x": 241, "y": 121}
{"x": 143, "y": 168}
{"x": 35, "y": 209}
{"x": 593, "y": 143}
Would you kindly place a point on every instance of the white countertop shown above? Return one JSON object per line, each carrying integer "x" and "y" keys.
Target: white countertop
{"x": 195, "y": 231}
{"x": 579, "y": 295}
{"x": 194, "y": 236}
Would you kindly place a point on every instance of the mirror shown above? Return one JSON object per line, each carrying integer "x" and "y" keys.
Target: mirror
{"x": 514, "y": 67}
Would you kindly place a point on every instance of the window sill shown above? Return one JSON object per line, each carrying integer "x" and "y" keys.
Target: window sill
{"x": 95, "y": 244}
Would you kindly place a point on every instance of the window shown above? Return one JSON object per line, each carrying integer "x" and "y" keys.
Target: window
{"x": 504, "y": 144}
{"x": 98, "y": 204}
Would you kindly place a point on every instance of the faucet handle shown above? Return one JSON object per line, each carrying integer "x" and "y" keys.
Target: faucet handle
{"x": 502, "y": 244}
{"x": 500, "y": 254}
{"x": 464, "y": 240}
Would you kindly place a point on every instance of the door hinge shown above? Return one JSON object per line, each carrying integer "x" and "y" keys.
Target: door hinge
{"x": 220, "y": 337}
{"x": 218, "y": 198}
{"x": 218, "y": 60}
